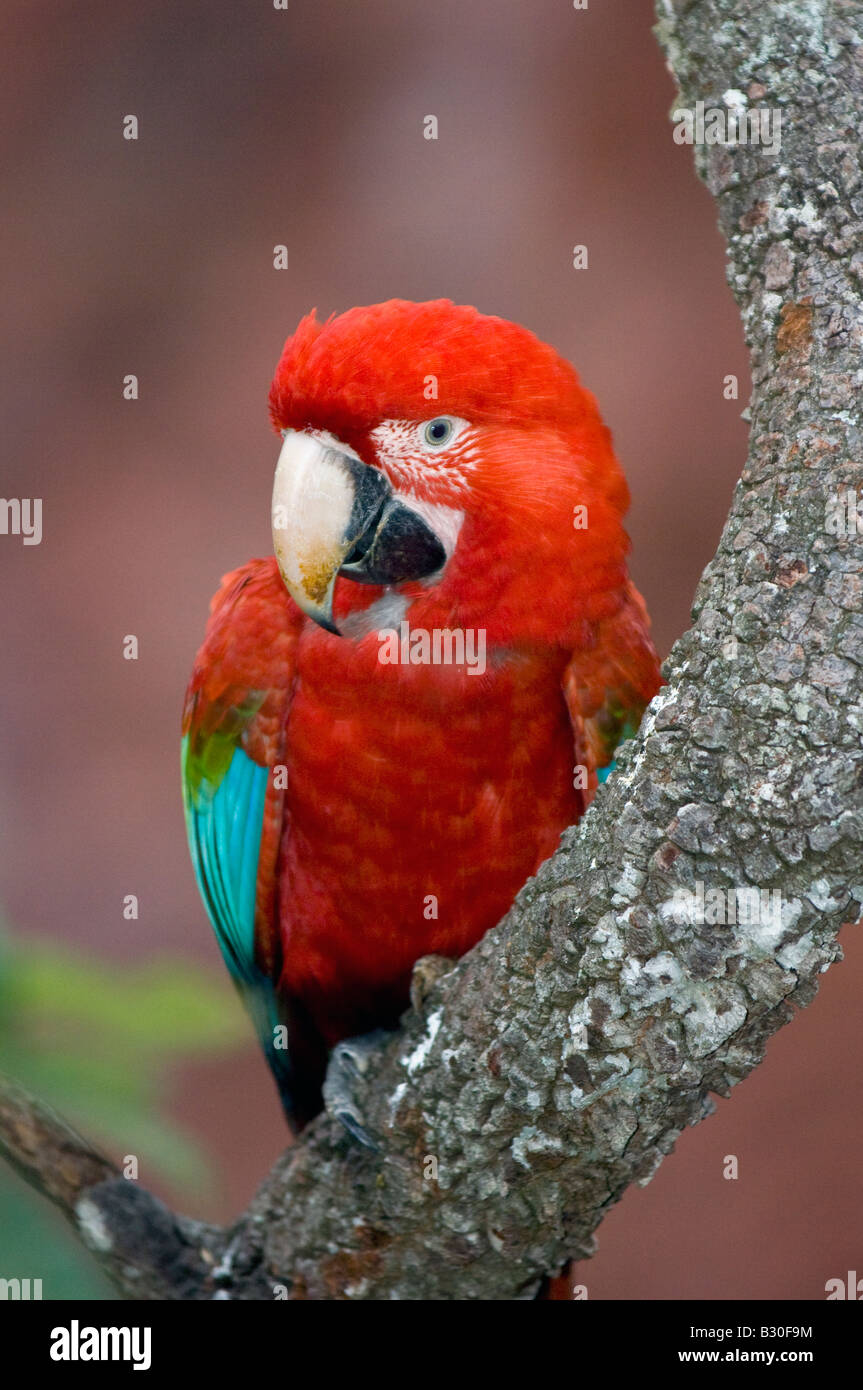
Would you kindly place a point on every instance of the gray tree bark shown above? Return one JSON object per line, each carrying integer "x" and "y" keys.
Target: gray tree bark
{"x": 558, "y": 1062}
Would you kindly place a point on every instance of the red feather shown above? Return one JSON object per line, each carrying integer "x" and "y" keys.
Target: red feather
{"x": 420, "y": 798}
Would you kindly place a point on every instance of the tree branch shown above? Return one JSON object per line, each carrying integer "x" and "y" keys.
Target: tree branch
{"x": 558, "y": 1062}
{"x": 147, "y": 1251}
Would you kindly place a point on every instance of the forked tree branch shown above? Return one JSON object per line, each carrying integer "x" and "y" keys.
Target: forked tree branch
{"x": 560, "y": 1060}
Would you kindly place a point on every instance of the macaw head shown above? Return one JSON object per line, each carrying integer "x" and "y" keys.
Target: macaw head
{"x": 451, "y": 463}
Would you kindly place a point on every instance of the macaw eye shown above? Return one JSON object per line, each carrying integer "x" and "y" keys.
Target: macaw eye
{"x": 439, "y": 432}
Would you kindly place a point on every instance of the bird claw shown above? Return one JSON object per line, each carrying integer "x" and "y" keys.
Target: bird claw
{"x": 349, "y": 1061}
{"x": 427, "y": 971}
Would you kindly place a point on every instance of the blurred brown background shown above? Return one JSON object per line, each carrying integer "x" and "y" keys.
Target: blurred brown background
{"x": 259, "y": 127}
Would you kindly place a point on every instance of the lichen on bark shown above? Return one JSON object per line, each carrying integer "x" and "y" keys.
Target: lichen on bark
{"x": 559, "y": 1061}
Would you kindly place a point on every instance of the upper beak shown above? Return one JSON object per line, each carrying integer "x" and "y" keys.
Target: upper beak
{"x": 334, "y": 514}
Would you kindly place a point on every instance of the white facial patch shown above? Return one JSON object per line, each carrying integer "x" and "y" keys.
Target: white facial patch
{"x": 412, "y": 463}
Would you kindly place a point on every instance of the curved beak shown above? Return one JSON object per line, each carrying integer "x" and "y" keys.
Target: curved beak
{"x": 333, "y": 514}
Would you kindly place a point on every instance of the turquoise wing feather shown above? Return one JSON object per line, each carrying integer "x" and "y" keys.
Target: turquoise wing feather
{"x": 234, "y": 726}
{"x": 224, "y": 823}
{"x": 224, "y": 809}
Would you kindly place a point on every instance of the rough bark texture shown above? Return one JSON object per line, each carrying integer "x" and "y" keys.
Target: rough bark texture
{"x": 148, "y": 1251}
{"x": 560, "y": 1060}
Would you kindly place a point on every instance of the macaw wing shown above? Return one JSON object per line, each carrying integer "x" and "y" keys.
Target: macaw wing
{"x": 234, "y": 780}
{"x": 608, "y": 687}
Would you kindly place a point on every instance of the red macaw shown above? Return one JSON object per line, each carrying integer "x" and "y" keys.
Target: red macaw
{"x": 390, "y": 722}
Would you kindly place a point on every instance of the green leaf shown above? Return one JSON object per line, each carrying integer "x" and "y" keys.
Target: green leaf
{"x": 95, "y": 1042}
{"x": 169, "y": 1007}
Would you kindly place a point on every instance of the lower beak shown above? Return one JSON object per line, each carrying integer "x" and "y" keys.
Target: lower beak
{"x": 334, "y": 514}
